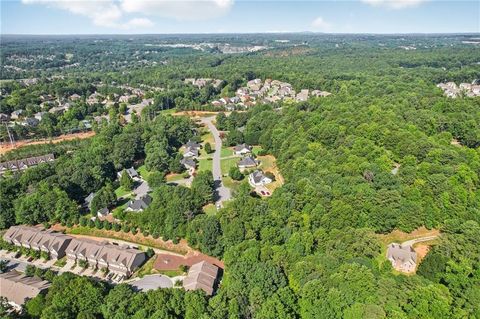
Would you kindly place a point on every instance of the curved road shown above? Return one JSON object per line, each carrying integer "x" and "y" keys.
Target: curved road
{"x": 222, "y": 193}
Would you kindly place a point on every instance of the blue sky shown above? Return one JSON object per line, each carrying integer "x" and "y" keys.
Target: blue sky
{"x": 224, "y": 16}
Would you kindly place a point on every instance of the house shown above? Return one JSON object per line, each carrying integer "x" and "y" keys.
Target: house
{"x": 138, "y": 205}
{"x": 25, "y": 163}
{"x": 88, "y": 200}
{"x": 39, "y": 116}
{"x": 302, "y": 96}
{"x": 31, "y": 121}
{"x": 247, "y": 162}
{"x": 17, "y": 288}
{"x": 59, "y": 109}
{"x": 75, "y": 97}
{"x": 191, "y": 152}
{"x": 242, "y": 149}
{"x": 103, "y": 212}
{"x": 202, "y": 275}
{"x": 142, "y": 189}
{"x": 193, "y": 144}
{"x": 38, "y": 239}
{"x": 4, "y": 117}
{"x": 319, "y": 93}
{"x": 402, "y": 257}
{"x": 122, "y": 260}
{"x": 257, "y": 178}
{"x": 189, "y": 163}
{"x": 15, "y": 115}
{"x": 131, "y": 172}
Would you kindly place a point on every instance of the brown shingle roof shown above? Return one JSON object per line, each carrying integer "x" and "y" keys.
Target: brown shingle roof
{"x": 202, "y": 275}
{"x": 18, "y": 288}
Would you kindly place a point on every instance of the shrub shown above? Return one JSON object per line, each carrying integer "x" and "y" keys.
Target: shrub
{"x": 83, "y": 221}
{"x": 150, "y": 252}
{"x": 133, "y": 229}
{"x": 83, "y": 263}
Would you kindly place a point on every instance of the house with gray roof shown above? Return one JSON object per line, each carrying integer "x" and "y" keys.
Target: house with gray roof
{"x": 130, "y": 171}
{"x": 247, "y": 162}
{"x": 188, "y": 162}
{"x": 192, "y": 144}
{"x": 257, "y": 178}
{"x": 242, "y": 149}
{"x": 38, "y": 239}
{"x": 202, "y": 275}
{"x": 191, "y": 152}
{"x": 103, "y": 212}
{"x": 122, "y": 260}
{"x": 18, "y": 288}
{"x": 402, "y": 257}
{"x": 140, "y": 204}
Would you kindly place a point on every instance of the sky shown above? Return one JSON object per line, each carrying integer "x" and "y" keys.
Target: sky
{"x": 238, "y": 16}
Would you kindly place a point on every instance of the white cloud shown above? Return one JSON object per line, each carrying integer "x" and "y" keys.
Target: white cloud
{"x": 320, "y": 24}
{"x": 179, "y": 9}
{"x": 394, "y": 4}
{"x": 112, "y": 13}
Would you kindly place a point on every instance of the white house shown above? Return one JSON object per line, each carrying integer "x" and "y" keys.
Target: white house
{"x": 257, "y": 178}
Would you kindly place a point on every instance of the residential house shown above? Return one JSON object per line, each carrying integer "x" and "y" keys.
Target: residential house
{"x": 15, "y": 115}
{"x": 122, "y": 260}
{"x": 75, "y": 97}
{"x": 88, "y": 200}
{"x": 103, "y": 212}
{"x": 38, "y": 239}
{"x": 193, "y": 144}
{"x": 202, "y": 275}
{"x": 31, "y": 121}
{"x": 242, "y": 149}
{"x": 4, "y": 117}
{"x": 39, "y": 116}
{"x": 257, "y": 178}
{"x": 402, "y": 257}
{"x": 17, "y": 288}
{"x": 191, "y": 152}
{"x": 25, "y": 163}
{"x": 189, "y": 163}
{"x": 319, "y": 93}
{"x": 131, "y": 172}
{"x": 247, "y": 162}
{"x": 140, "y": 204}
{"x": 302, "y": 96}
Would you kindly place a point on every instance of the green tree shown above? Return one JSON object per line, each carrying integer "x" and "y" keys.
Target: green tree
{"x": 126, "y": 182}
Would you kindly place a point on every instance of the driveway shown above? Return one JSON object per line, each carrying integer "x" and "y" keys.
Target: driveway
{"x": 418, "y": 240}
{"x": 152, "y": 282}
{"x": 222, "y": 193}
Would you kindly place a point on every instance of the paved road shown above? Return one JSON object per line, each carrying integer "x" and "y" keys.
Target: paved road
{"x": 222, "y": 193}
{"x": 418, "y": 240}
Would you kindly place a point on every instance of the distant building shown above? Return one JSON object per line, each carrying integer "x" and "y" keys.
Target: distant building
{"x": 140, "y": 204}
{"x": 242, "y": 149}
{"x": 18, "y": 288}
{"x": 103, "y": 212}
{"x": 22, "y": 164}
{"x": 130, "y": 171}
{"x": 247, "y": 162}
{"x": 202, "y": 275}
{"x": 118, "y": 259}
{"x": 257, "y": 178}
{"x": 38, "y": 239}
{"x": 16, "y": 114}
{"x": 402, "y": 257}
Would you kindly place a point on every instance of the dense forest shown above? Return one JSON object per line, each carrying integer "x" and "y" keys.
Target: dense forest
{"x": 386, "y": 151}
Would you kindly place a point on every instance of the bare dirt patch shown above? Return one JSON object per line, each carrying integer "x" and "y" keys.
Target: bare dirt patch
{"x": 399, "y": 236}
{"x": 6, "y": 147}
{"x": 422, "y": 250}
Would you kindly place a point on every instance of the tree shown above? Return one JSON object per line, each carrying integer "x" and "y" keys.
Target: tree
{"x": 126, "y": 182}
{"x": 105, "y": 197}
{"x": 208, "y": 148}
{"x": 234, "y": 137}
{"x": 235, "y": 173}
{"x": 155, "y": 179}
{"x": 35, "y": 306}
{"x": 202, "y": 188}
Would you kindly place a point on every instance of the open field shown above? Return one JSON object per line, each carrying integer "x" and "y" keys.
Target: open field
{"x": 5, "y": 148}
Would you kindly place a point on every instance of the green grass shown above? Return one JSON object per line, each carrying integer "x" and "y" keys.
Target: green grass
{"x": 230, "y": 183}
{"x": 120, "y": 192}
{"x": 205, "y": 164}
{"x": 169, "y": 111}
{"x": 171, "y": 273}
{"x": 61, "y": 262}
{"x": 226, "y": 164}
{"x": 210, "y": 209}
{"x": 256, "y": 149}
{"x": 147, "y": 268}
{"x": 142, "y": 170}
{"x": 226, "y": 152}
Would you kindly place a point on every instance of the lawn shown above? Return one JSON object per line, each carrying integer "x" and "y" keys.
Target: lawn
{"x": 142, "y": 170}
{"x": 210, "y": 209}
{"x": 226, "y": 152}
{"x": 230, "y": 183}
{"x": 120, "y": 192}
{"x": 228, "y": 163}
{"x": 256, "y": 149}
{"x": 174, "y": 177}
{"x": 205, "y": 164}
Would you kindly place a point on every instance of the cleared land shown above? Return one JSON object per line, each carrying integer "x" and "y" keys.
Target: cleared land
{"x": 5, "y": 148}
